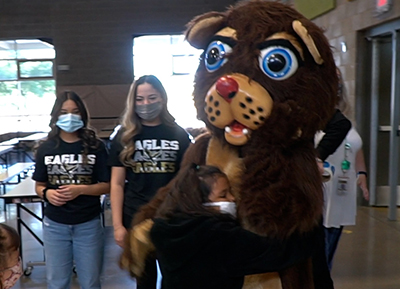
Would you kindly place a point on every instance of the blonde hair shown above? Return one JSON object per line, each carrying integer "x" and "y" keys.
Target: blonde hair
{"x": 130, "y": 122}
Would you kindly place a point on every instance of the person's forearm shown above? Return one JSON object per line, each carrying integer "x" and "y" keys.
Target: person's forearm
{"x": 117, "y": 200}
{"x": 360, "y": 162}
{"x": 39, "y": 187}
{"x": 95, "y": 189}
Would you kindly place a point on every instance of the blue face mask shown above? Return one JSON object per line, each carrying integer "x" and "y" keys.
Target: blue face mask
{"x": 69, "y": 122}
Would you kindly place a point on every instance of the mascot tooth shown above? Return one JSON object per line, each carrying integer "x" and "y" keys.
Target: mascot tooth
{"x": 266, "y": 83}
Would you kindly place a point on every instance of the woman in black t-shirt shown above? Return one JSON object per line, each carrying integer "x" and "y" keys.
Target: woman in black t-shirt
{"x": 71, "y": 173}
{"x": 145, "y": 155}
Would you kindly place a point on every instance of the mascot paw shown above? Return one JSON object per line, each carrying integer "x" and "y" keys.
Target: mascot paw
{"x": 137, "y": 247}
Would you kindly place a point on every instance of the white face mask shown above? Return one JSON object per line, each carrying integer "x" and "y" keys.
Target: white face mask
{"x": 224, "y": 207}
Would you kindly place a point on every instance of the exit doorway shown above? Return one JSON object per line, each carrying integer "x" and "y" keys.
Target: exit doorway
{"x": 378, "y": 109}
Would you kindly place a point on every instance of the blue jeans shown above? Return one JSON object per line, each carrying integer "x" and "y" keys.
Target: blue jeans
{"x": 64, "y": 244}
{"x": 332, "y": 236}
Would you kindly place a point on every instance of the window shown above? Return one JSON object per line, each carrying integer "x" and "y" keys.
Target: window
{"x": 174, "y": 62}
{"x": 27, "y": 85}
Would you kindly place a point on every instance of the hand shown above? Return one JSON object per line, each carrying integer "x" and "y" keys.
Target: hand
{"x": 70, "y": 192}
{"x": 362, "y": 183}
{"x": 119, "y": 235}
{"x": 55, "y": 198}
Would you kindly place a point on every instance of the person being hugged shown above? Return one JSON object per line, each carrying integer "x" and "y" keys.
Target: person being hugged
{"x": 71, "y": 173}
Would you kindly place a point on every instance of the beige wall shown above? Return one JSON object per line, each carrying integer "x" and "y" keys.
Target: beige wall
{"x": 343, "y": 23}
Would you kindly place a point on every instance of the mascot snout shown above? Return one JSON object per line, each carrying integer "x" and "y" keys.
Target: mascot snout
{"x": 238, "y": 105}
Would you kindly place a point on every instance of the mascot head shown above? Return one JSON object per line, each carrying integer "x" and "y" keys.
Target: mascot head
{"x": 257, "y": 55}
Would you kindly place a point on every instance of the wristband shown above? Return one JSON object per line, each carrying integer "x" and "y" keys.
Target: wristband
{"x": 44, "y": 191}
{"x": 362, "y": 173}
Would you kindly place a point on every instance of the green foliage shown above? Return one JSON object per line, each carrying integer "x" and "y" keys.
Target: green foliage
{"x": 38, "y": 87}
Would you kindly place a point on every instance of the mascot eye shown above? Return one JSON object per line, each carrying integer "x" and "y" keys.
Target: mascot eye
{"x": 278, "y": 62}
{"x": 215, "y": 55}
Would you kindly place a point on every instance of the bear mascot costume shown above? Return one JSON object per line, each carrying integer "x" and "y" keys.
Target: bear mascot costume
{"x": 266, "y": 83}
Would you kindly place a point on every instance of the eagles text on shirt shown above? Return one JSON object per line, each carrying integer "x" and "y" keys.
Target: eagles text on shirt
{"x": 68, "y": 169}
{"x": 155, "y": 156}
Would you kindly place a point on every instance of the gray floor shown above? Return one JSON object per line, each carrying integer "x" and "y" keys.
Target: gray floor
{"x": 368, "y": 255}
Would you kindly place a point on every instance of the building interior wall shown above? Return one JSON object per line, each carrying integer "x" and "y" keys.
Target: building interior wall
{"x": 94, "y": 39}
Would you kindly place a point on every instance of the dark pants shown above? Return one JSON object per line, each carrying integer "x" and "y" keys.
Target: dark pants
{"x": 332, "y": 236}
{"x": 149, "y": 277}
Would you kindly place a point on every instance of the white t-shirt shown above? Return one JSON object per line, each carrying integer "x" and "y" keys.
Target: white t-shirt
{"x": 340, "y": 207}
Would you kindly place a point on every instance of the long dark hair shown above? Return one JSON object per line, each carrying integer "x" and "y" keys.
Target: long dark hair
{"x": 86, "y": 133}
{"x": 191, "y": 189}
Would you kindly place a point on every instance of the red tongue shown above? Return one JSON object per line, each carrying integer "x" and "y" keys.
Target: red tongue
{"x": 237, "y": 127}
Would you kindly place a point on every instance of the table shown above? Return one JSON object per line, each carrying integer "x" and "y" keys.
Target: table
{"x": 25, "y": 144}
{"x": 24, "y": 192}
{"x": 4, "y": 150}
{"x": 33, "y": 137}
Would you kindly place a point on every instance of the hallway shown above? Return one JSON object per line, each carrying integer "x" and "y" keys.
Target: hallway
{"x": 368, "y": 255}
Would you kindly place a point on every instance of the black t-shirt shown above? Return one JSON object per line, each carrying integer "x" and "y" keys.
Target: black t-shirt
{"x": 60, "y": 163}
{"x": 158, "y": 154}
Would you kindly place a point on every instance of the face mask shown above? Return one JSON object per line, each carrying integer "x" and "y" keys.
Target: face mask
{"x": 149, "y": 111}
{"x": 16, "y": 272}
{"x": 224, "y": 207}
{"x": 69, "y": 122}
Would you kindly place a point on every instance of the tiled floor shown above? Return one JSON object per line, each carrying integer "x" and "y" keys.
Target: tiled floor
{"x": 368, "y": 255}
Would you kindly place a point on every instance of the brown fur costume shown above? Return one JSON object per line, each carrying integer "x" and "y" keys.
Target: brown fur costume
{"x": 262, "y": 125}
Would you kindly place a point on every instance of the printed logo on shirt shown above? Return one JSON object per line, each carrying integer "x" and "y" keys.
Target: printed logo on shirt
{"x": 69, "y": 169}
{"x": 153, "y": 157}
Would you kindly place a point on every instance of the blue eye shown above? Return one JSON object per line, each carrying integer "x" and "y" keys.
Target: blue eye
{"x": 215, "y": 55}
{"x": 278, "y": 62}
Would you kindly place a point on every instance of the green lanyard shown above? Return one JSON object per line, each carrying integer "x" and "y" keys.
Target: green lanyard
{"x": 345, "y": 162}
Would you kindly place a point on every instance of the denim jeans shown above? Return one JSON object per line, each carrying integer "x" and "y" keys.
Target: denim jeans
{"x": 66, "y": 244}
{"x": 332, "y": 236}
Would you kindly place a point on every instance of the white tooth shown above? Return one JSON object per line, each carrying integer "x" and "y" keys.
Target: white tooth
{"x": 245, "y": 131}
{"x": 228, "y": 129}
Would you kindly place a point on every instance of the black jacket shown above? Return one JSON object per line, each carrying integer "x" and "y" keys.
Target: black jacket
{"x": 335, "y": 131}
{"x": 215, "y": 252}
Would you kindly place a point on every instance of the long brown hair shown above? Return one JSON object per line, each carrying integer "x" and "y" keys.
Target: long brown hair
{"x": 9, "y": 242}
{"x": 130, "y": 122}
{"x": 191, "y": 189}
{"x": 86, "y": 133}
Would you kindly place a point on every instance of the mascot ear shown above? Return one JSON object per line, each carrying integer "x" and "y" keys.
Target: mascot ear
{"x": 202, "y": 28}
{"x": 308, "y": 41}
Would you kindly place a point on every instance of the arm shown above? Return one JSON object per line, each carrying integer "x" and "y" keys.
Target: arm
{"x": 335, "y": 132}
{"x": 73, "y": 191}
{"x": 40, "y": 176}
{"x": 362, "y": 178}
{"x": 52, "y": 196}
{"x": 269, "y": 254}
{"x": 100, "y": 176}
{"x": 196, "y": 153}
{"x": 117, "y": 199}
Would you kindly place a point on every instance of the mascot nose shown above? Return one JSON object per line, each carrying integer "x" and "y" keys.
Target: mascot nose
{"x": 227, "y": 87}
